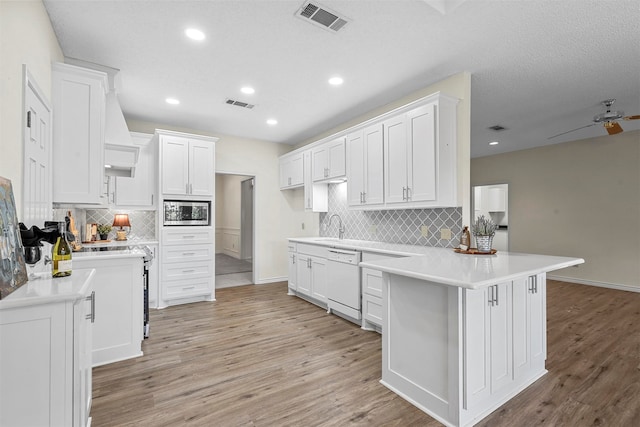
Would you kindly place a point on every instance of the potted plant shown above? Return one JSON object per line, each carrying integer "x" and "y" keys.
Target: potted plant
{"x": 104, "y": 230}
{"x": 483, "y": 230}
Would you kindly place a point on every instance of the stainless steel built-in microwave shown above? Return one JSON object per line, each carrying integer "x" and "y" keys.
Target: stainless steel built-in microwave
{"x": 186, "y": 212}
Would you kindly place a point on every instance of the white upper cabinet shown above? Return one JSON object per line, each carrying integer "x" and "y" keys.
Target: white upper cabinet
{"x": 329, "y": 160}
{"x": 291, "y": 171}
{"x": 365, "y": 167}
{"x": 139, "y": 190}
{"x": 78, "y": 134}
{"x": 187, "y": 164}
{"x": 420, "y": 156}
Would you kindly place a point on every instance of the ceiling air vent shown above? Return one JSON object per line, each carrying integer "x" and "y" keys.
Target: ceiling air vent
{"x": 497, "y": 128}
{"x": 321, "y": 16}
{"x": 239, "y": 103}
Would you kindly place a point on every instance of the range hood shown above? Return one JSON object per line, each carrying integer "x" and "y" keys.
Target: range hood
{"x": 120, "y": 154}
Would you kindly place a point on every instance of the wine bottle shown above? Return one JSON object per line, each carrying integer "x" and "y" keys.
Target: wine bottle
{"x": 61, "y": 254}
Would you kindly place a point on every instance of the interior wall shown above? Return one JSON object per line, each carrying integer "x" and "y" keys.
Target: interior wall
{"x": 278, "y": 214}
{"x": 580, "y": 199}
{"x": 26, "y": 37}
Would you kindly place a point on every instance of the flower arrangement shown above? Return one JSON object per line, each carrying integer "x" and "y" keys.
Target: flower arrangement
{"x": 484, "y": 227}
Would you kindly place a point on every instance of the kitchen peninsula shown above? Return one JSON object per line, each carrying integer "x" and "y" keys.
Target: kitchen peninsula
{"x": 461, "y": 334}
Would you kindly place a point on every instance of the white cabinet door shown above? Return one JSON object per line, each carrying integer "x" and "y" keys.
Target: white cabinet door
{"x": 201, "y": 168}
{"x": 487, "y": 342}
{"x": 139, "y": 190}
{"x": 154, "y": 277}
{"x": 355, "y": 169}
{"x": 396, "y": 152}
{"x": 373, "y": 165}
{"x": 421, "y": 173}
{"x": 500, "y": 337}
{"x": 303, "y": 274}
{"x": 529, "y": 321}
{"x": 328, "y": 160}
{"x": 175, "y": 165}
{"x": 316, "y": 196}
{"x": 319, "y": 279}
{"x": 78, "y": 134}
{"x": 292, "y": 270}
{"x": 320, "y": 163}
{"x": 291, "y": 171}
{"x": 336, "y": 157}
{"x": 83, "y": 317}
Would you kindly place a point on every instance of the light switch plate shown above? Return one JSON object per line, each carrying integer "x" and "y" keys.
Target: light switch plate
{"x": 445, "y": 234}
{"x": 424, "y": 231}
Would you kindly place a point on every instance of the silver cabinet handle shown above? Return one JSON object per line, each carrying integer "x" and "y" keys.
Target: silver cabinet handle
{"x": 408, "y": 193}
{"x": 364, "y": 197}
{"x": 186, "y": 288}
{"x": 186, "y": 188}
{"x": 404, "y": 193}
{"x": 293, "y": 259}
{"x": 490, "y": 294}
{"x": 190, "y": 188}
{"x": 496, "y": 295}
{"x": 188, "y": 253}
{"x": 92, "y": 316}
{"x": 188, "y": 271}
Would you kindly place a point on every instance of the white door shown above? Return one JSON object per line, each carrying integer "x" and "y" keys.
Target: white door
{"x": 336, "y": 158}
{"x": 320, "y": 162}
{"x": 175, "y": 165}
{"x": 36, "y": 190}
{"x": 500, "y": 331}
{"x": 319, "y": 278}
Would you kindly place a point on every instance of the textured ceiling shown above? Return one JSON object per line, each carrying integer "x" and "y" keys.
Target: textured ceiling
{"x": 538, "y": 67}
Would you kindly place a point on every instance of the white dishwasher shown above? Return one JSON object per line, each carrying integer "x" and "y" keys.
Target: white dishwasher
{"x": 343, "y": 282}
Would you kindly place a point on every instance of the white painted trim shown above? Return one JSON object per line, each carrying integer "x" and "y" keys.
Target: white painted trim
{"x": 628, "y": 288}
{"x": 271, "y": 280}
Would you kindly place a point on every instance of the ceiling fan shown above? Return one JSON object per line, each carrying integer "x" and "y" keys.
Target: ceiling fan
{"x": 608, "y": 119}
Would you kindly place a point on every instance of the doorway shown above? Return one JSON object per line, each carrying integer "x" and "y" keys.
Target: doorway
{"x": 234, "y": 230}
{"x": 492, "y": 201}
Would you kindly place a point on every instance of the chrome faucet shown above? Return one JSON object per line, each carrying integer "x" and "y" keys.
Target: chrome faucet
{"x": 340, "y": 228}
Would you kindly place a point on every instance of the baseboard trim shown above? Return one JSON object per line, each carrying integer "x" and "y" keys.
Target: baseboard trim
{"x": 616, "y": 286}
{"x": 271, "y": 280}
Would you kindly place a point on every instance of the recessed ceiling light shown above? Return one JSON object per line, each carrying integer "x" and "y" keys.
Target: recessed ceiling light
{"x": 494, "y": 143}
{"x": 172, "y": 101}
{"x": 248, "y": 90}
{"x": 336, "y": 81}
{"x": 272, "y": 122}
{"x": 194, "y": 34}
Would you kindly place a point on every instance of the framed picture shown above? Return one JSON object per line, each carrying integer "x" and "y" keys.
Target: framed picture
{"x": 13, "y": 272}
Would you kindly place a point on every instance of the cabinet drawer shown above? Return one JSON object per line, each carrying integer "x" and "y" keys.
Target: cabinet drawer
{"x": 372, "y": 282}
{"x": 187, "y": 253}
{"x": 372, "y": 309}
{"x": 187, "y": 288}
{"x": 313, "y": 250}
{"x": 187, "y": 270}
{"x": 187, "y": 235}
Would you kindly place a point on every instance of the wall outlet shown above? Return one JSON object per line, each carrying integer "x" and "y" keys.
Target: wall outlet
{"x": 445, "y": 234}
{"x": 373, "y": 229}
{"x": 424, "y": 230}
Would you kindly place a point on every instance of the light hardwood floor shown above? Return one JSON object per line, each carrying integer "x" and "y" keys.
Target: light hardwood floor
{"x": 257, "y": 357}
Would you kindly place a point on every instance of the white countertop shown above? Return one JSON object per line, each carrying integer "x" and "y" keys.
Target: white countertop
{"x": 47, "y": 289}
{"x": 118, "y": 243}
{"x": 444, "y": 266}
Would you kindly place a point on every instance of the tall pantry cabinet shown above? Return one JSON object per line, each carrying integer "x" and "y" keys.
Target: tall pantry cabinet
{"x": 187, "y": 254}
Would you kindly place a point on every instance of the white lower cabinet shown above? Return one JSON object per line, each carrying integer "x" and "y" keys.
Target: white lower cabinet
{"x": 45, "y": 363}
{"x": 187, "y": 265}
{"x": 372, "y": 312}
{"x": 311, "y": 272}
{"x": 505, "y": 339}
{"x": 118, "y": 330}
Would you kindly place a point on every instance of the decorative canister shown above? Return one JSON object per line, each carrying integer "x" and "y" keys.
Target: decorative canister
{"x": 484, "y": 243}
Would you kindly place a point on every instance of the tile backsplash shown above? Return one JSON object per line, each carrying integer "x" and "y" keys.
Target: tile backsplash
{"x": 143, "y": 223}
{"x": 390, "y": 226}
